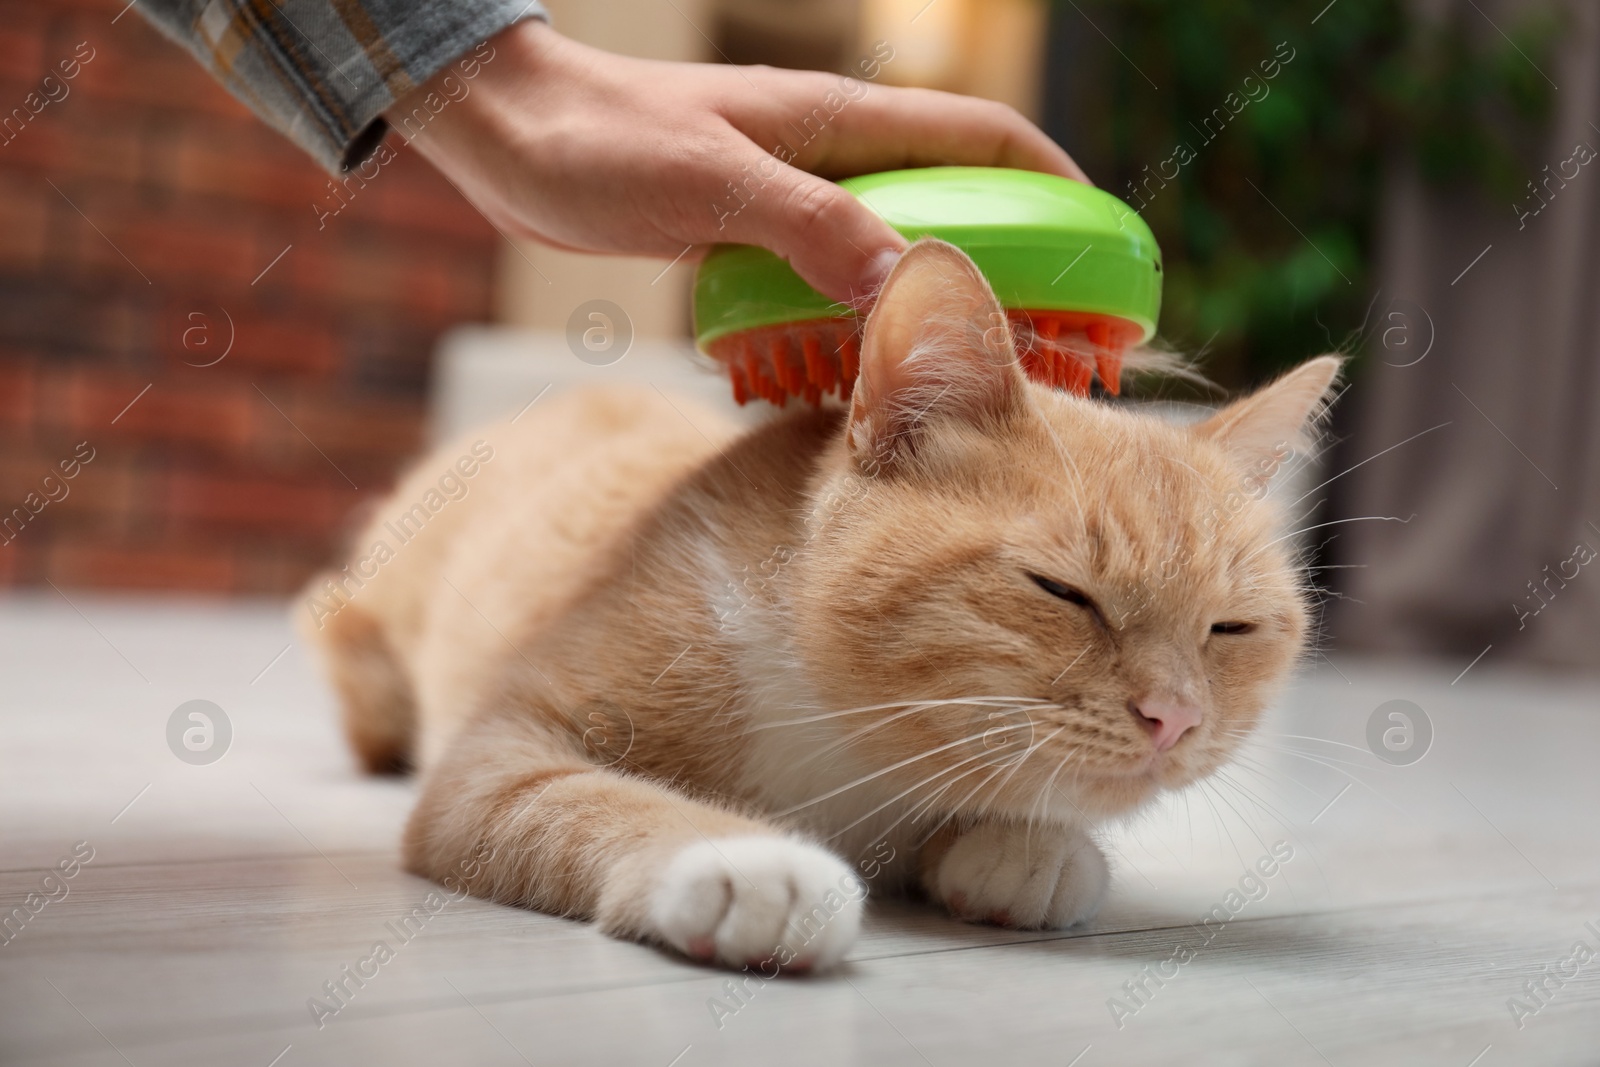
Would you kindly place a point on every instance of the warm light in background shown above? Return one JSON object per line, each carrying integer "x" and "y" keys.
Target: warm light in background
{"x": 993, "y": 49}
{"x": 927, "y": 38}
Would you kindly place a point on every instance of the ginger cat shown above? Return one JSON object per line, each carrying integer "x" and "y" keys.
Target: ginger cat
{"x": 707, "y": 688}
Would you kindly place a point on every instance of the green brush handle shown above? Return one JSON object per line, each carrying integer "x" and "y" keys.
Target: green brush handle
{"x": 1045, "y": 244}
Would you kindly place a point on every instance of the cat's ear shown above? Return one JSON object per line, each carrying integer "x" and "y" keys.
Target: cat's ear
{"x": 1277, "y": 419}
{"x": 937, "y": 345}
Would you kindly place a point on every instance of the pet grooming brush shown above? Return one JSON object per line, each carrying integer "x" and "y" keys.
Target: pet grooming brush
{"x": 1077, "y": 271}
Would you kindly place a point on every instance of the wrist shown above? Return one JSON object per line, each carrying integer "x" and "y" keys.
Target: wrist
{"x": 519, "y": 53}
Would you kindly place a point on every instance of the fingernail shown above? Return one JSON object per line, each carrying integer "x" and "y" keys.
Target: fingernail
{"x": 882, "y": 263}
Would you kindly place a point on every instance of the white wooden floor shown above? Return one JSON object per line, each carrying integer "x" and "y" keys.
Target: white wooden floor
{"x": 220, "y": 898}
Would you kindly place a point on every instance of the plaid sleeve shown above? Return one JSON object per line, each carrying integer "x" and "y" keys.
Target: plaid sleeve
{"x": 323, "y": 71}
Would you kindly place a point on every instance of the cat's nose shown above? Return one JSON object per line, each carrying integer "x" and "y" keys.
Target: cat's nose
{"x": 1167, "y": 720}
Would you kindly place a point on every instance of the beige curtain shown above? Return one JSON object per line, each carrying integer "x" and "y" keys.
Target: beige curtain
{"x": 1501, "y": 499}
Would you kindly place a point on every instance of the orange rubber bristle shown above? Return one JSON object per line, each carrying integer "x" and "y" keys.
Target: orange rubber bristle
{"x": 1066, "y": 350}
{"x": 849, "y": 348}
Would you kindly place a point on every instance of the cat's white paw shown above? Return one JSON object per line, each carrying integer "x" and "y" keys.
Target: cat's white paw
{"x": 758, "y": 900}
{"x": 1045, "y": 877}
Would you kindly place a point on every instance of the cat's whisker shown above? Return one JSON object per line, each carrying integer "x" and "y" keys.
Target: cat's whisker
{"x": 1265, "y": 745}
{"x": 1206, "y": 791}
{"x": 1031, "y": 824}
{"x": 1037, "y": 746}
{"x": 1132, "y": 866}
{"x": 1286, "y": 824}
{"x": 1321, "y": 525}
{"x": 1070, "y": 465}
{"x": 1043, "y": 801}
{"x": 856, "y": 735}
{"x": 922, "y": 807}
{"x": 1330, "y": 762}
{"x": 1252, "y": 797}
{"x": 916, "y": 811}
{"x": 979, "y": 700}
{"x": 957, "y": 808}
{"x": 978, "y": 737}
{"x": 1015, "y": 766}
{"x": 1369, "y": 459}
{"x": 1167, "y": 846}
{"x": 1324, "y": 762}
{"x": 1023, "y": 759}
{"x": 1307, "y": 513}
{"x": 962, "y": 805}
{"x": 1217, "y": 780}
{"x": 1320, "y": 740}
{"x": 904, "y": 793}
{"x": 1245, "y": 761}
{"x": 1188, "y": 820}
{"x": 1235, "y": 814}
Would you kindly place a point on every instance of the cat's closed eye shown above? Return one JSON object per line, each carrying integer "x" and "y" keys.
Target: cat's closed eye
{"x": 1232, "y": 627}
{"x": 1069, "y": 594}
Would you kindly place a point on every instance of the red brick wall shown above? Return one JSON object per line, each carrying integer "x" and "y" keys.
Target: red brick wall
{"x": 236, "y": 477}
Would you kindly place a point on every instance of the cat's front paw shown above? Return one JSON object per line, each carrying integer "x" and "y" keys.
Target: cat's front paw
{"x": 758, "y": 901}
{"x": 1044, "y": 877}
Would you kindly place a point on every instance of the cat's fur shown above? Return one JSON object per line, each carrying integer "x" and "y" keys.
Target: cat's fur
{"x": 706, "y": 689}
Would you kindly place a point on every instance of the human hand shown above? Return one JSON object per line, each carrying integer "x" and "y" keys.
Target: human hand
{"x": 596, "y": 152}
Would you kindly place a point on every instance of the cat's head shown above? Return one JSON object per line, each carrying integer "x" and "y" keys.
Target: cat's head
{"x": 1108, "y": 594}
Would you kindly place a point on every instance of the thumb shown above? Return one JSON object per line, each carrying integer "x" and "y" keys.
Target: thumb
{"x": 832, "y": 240}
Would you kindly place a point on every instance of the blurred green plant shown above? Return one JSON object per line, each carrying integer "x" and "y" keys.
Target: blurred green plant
{"x": 1255, "y": 143}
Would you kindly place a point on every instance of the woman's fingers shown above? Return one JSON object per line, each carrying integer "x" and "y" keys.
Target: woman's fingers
{"x": 837, "y": 127}
{"x": 830, "y": 238}
{"x": 833, "y": 127}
